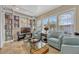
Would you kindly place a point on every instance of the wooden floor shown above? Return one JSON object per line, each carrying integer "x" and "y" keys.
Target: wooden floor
{"x": 21, "y": 47}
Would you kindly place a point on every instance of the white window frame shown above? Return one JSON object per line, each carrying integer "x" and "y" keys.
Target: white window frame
{"x": 74, "y": 10}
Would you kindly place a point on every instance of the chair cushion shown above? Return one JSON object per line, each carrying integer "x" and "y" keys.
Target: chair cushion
{"x": 71, "y": 40}
{"x": 54, "y": 40}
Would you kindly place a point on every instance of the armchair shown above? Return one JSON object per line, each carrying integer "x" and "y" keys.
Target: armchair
{"x": 70, "y": 45}
{"x": 36, "y": 34}
{"x": 55, "y": 39}
{"x": 21, "y": 35}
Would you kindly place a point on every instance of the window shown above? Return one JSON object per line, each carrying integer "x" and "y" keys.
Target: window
{"x": 53, "y": 22}
{"x": 45, "y": 21}
{"x": 39, "y": 25}
{"x": 66, "y": 22}
{"x": 44, "y": 25}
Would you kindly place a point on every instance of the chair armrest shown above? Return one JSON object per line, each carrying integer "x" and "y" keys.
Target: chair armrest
{"x": 70, "y": 49}
{"x": 60, "y": 36}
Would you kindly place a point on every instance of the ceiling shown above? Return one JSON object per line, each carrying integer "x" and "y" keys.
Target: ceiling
{"x": 33, "y": 10}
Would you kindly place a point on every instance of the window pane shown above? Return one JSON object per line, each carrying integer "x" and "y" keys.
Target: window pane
{"x": 66, "y": 22}
{"x": 53, "y": 22}
{"x": 39, "y": 25}
{"x": 45, "y": 21}
{"x": 53, "y": 19}
{"x": 66, "y": 18}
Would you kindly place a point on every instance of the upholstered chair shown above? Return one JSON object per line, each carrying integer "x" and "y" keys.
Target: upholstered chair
{"x": 54, "y": 39}
{"x": 70, "y": 45}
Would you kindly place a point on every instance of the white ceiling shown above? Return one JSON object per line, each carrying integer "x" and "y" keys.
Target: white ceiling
{"x": 33, "y": 10}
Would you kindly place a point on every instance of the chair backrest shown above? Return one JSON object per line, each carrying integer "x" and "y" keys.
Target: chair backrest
{"x": 54, "y": 34}
{"x": 71, "y": 40}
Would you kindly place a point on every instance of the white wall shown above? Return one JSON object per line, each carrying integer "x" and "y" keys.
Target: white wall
{"x": 2, "y": 27}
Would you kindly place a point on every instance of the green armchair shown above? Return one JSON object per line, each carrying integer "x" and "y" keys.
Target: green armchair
{"x": 70, "y": 45}
{"x": 36, "y": 34}
{"x": 55, "y": 39}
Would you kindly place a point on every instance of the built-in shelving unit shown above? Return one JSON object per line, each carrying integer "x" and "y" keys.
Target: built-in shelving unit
{"x": 8, "y": 26}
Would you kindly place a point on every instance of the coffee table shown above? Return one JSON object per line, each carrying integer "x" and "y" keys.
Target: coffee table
{"x": 42, "y": 50}
{"x": 38, "y": 47}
